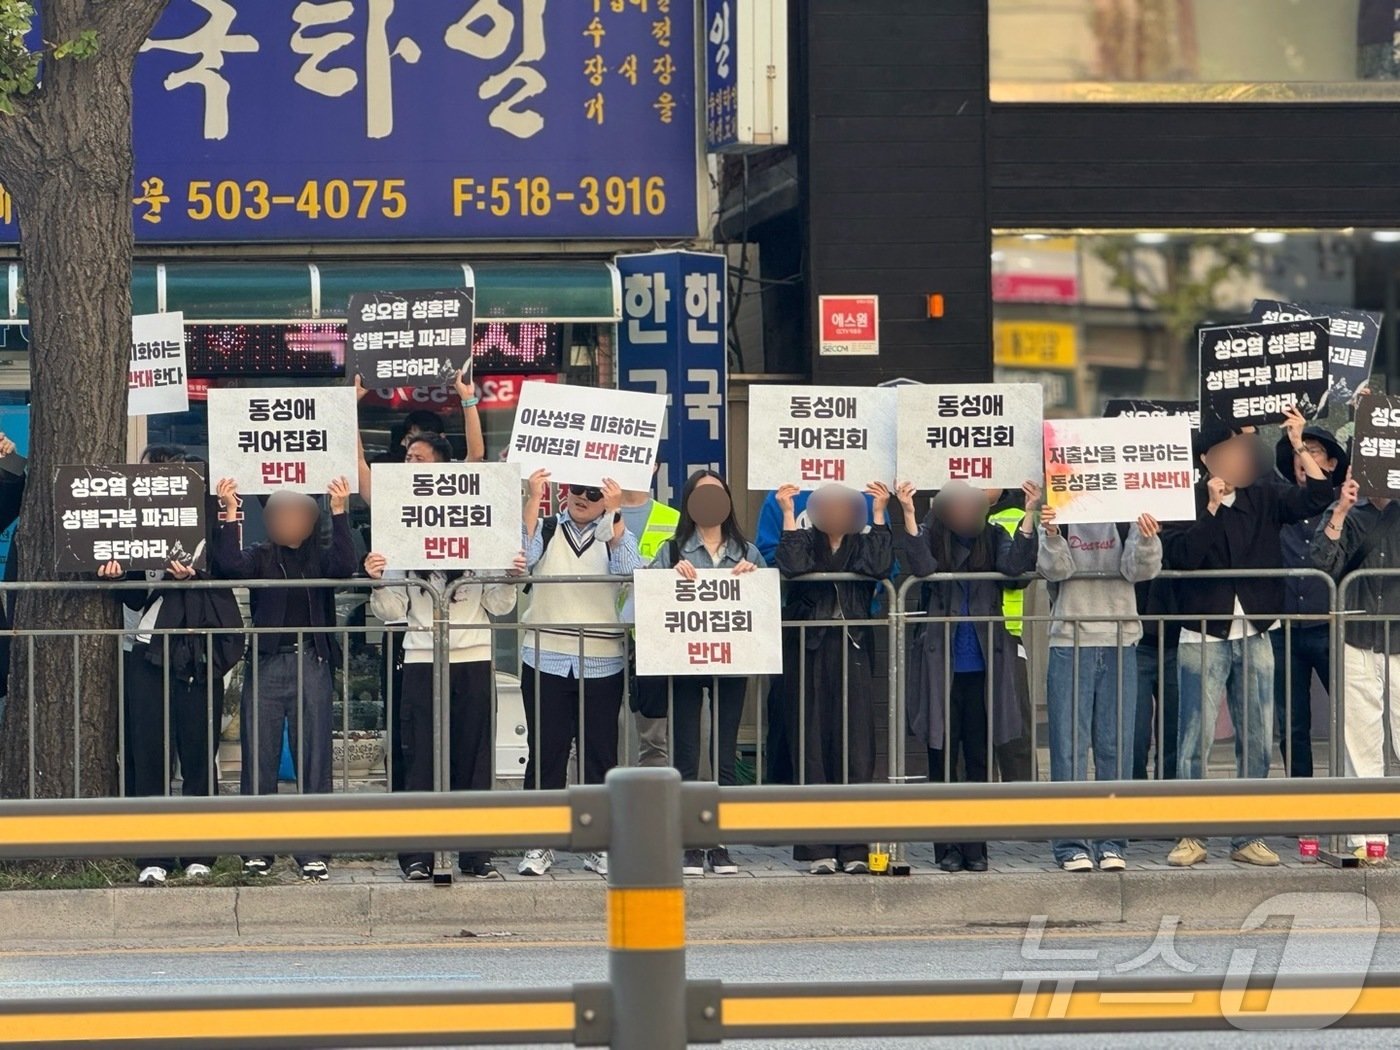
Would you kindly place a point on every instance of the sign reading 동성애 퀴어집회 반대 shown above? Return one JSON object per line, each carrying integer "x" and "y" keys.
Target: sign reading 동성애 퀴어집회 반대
{"x": 293, "y": 438}
{"x": 811, "y": 436}
{"x": 449, "y": 516}
{"x": 716, "y": 624}
{"x": 986, "y": 434}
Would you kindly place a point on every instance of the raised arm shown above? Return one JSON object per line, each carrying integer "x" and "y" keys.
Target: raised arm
{"x": 229, "y": 558}
{"x": 471, "y": 418}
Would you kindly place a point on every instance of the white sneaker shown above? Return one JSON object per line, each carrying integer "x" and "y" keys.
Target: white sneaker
{"x": 1078, "y": 862}
{"x": 537, "y": 862}
{"x": 1112, "y": 860}
{"x": 597, "y": 862}
{"x": 151, "y": 876}
{"x": 197, "y": 871}
{"x": 823, "y": 866}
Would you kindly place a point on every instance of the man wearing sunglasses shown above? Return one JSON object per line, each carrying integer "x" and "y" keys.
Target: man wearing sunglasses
{"x": 574, "y": 649}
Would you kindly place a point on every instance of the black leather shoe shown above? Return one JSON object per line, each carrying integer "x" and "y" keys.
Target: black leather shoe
{"x": 952, "y": 862}
{"x": 977, "y": 865}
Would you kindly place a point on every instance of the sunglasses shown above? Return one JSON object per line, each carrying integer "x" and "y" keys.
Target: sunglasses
{"x": 593, "y": 495}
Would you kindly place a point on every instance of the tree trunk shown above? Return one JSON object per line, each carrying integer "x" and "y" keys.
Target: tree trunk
{"x": 66, "y": 159}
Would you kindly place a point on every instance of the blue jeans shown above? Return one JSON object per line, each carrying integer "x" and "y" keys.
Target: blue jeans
{"x": 1206, "y": 671}
{"x": 1161, "y": 696}
{"x": 1091, "y": 710}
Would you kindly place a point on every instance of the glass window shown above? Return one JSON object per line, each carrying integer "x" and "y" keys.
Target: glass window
{"x": 1194, "y": 50}
{"x": 1101, "y": 315}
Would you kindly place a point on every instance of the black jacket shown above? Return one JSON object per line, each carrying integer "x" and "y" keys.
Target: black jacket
{"x": 267, "y": 561}
{"x": 807, "y": 551}
{"x": 194, "y": 609}
{"x": 1243, "y": 536}
{"x": 1370, "y": 540}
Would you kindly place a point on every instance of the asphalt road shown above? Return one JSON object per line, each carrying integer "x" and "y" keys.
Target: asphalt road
{"x": 970, "y": 954}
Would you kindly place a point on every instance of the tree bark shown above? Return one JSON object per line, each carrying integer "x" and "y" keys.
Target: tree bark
{"x": 66, "y": 159}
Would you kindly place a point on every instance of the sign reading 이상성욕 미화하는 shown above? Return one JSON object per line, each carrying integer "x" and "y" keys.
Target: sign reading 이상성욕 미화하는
{"x": 585, "y": 438}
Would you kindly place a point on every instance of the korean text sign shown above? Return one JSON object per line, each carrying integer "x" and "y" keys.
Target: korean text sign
{"x": 811, "y": 436}
{"x": 987, "y": 434}
{"x": 716, "y": 624}
{"x": 849, "y": 325}
{"x": 156, "y": 381}
{"x": 270, "y": 439}
{"x": 1252, "y": 374}
{"x": 447, "y": 515}
{"x": 583, "y": 440}
{"x": 672, "y": 342}
{"x": 1353, "y": 335}
{"x": 1375, "y": 459}
{"x": 143, "y": 517}
{"x": 411, "y": 339}
{"x": 415, "y": 119}
{"x": 722, "y": 73}
{"x": 1111, "y": 470}
{"x": 1140, "y": 408}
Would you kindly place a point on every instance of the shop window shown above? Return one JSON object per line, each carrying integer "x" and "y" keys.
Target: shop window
{"x": 1194, "y": 50}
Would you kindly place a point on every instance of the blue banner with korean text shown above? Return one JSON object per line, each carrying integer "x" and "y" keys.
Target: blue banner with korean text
{"x": 721, "y": 74}
{"x": 388, "y": 119}
{"x": 672, "y": 341}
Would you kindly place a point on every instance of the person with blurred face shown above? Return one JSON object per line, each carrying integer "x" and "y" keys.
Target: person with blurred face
{"x": 709, "y": 537}
{"x": 289, "y": 674}
{"x": 470, "y": 692}
{"x": 1238, "y": 524}
{"x": 572, "y": 677}
{"x": 832, "y": 726}
{"x": 949, "y": 712}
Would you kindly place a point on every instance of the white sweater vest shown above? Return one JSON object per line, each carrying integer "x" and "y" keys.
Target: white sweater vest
{"x": 568, "y": 604}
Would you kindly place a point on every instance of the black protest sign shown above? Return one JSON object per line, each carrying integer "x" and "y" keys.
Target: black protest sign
{"x": 1151, "y": 409}
{"x": 411, "y": 339}
{"x": 1352, "y": 334}
{"x": 143, "y": 517}
{"x": 1375, "y": 447}
{"x": 1251, "y": 374}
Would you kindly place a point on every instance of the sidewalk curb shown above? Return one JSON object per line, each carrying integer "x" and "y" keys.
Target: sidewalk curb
{"x": 740, "y": 908}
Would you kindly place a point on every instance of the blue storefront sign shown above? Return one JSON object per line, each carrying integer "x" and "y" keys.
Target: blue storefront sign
{"x": 721, "y": 74}
{"x": 409, "y": 119}
{"x": 672, "y": 341}
{"x": 14, "y": 424}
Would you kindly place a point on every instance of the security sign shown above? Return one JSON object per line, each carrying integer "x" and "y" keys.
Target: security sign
{"x": 849, "y": 325}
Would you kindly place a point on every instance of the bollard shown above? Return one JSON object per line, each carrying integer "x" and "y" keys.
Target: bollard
{"x": 646, "y": 910}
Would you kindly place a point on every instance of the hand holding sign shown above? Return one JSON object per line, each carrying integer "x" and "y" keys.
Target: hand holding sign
{"x": 1148, "y": 526}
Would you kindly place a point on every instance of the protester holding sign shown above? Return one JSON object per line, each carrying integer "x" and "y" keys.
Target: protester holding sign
{"x": 572, "y": 677}
{"x": 836, "y": 709}
{"x": 1090, "y": 695}
{"x": 708, "y": 537}
{"x": 1238, "y": 521}
{"x": 421, "y": 421}
{"x": 291, "y": 685}
{"x": 949, "y": 712}
{"x": 1362, "y": 533}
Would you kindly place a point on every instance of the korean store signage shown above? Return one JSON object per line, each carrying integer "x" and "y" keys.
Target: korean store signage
{"x": 811, "y": 436}
{"x": 715, "y": 624}
{"x": 413, "y": 339}
{"x": 849, "y": 325}
{"x": 143, "y": 517}
{"x": 294, "y": 438}
{"x": 672, "y": 341}
{"x": 447, "y": 515}
{"x": 398, "y": 119}
{"x": 1252, "y": 374}
{"x": 1112, "y": 470}
{"x": 987, "y": 434}
{"x": 1035, "y": 344}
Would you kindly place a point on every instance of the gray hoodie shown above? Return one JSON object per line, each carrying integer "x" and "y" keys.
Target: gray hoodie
{"x": 1097, "y": 549}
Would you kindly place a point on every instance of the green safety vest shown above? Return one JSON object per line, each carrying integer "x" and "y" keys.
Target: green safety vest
{"x": 1013, "y": 602}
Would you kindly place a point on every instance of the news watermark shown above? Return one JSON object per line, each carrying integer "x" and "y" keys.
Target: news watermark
{"x": 1279, "y": 975}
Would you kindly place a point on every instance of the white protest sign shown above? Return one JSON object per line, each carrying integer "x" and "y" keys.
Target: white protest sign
{"x": 446, "y": 515}
{"x": 716, "y": 624}
{"x": 811, "y": 436}
{"x": 297, "y": 439}
{"x": 987, "y": 434}
{"x": 584, "y": 436}
{"x": 156, "y": 378}
{"x": 1111, "y": 470}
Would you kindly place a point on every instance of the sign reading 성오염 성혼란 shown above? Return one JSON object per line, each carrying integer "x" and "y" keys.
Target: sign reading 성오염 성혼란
{"x": 446, "y": 515}
{"x": 849, "y": 325}
{"x": 411, "y": 339}
{"x": 1252, "y": 374}
{"x": 1375, "y": 446}
{"x": 1352, "y": 338}
{"x": 986, "y": 434}
{"x": 156, "y": 380}
{"x": 716, "y": 624}
{"x": 585, "y": 437}
{"x": 1145, "y": 408}
{"x": 295, "y": 439}
{"x": 812, "y": 436}
{"x": 143, "y": 517}
{"x": 1112, "y": 470}
{"x": 464, "y": 119}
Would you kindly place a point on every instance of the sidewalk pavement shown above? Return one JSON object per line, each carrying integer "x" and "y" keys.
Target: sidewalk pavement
{"x": 771, "y": 897}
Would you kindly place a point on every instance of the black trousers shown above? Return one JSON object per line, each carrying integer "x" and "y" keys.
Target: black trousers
{"x": 192, "y": 728}
{"x": 569, "y": 710}
{"x": 469, "y": 737}
{"x": 726, "y": 712}
{"x": 391, "y": 677}
{"x": 966, "y": 726}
